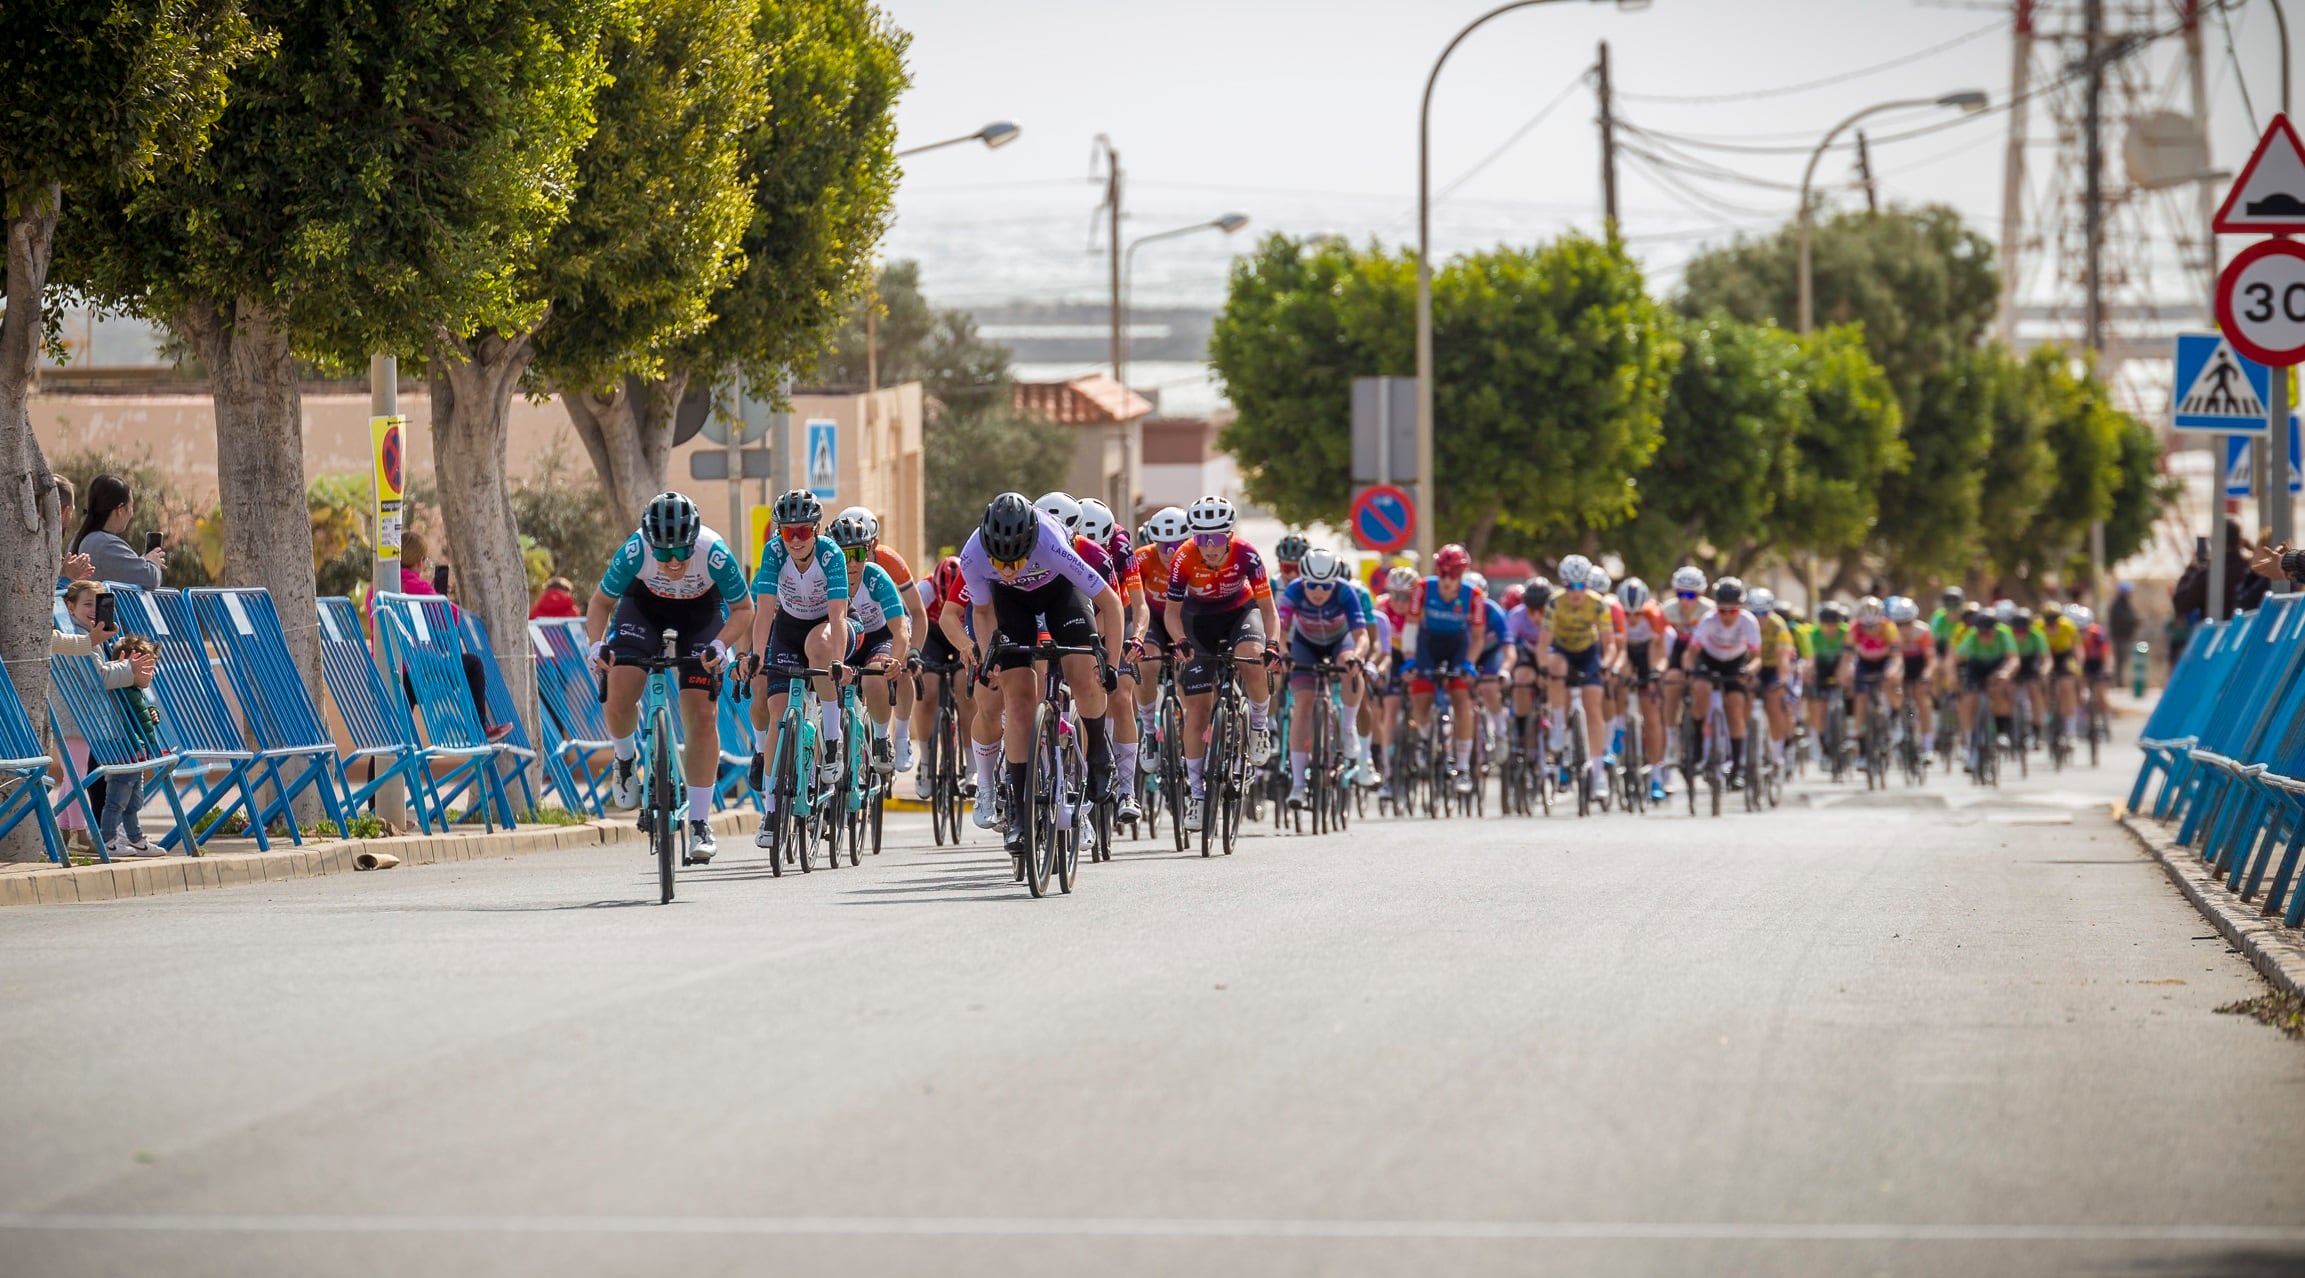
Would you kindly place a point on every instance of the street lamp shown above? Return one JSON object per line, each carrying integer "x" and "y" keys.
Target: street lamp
{"x": 1124, "y": 285}
{"x": 1967, "y": 101}
{"x": 994, "y": 136}
{"x": 1425, "y": 267}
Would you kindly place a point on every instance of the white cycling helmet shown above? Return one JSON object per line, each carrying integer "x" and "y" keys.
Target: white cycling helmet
{"x": 1322, "y": 567}
{"x": 1597, "y": 580}
{"x": 1062, "y": 508}
{"x": 2079, "y": 615}
{"x": 1633, "y": 593}
{"x": 1576, "y": 570}
{"x": 2005, "y": 611}
{"x": 1762, "y": 601}
{"x": 1689, "y": 577}
{"x": 1096, "y": 521}
{"x": 1211, "y": 515}
{"x": 1869, "y": 610}
{"x": 1401, "y": 579}
{"x": 1167, "y": 526}
{"x": 871, "y": 522}
{"x": 1477, "y": 581}
{"x": 1903, "y": 611}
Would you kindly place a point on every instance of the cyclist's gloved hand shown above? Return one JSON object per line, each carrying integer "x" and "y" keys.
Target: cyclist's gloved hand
{"x": 715, "y": 655}
{"x": 597, "y": 655}
{"x": 1109, "y": 676}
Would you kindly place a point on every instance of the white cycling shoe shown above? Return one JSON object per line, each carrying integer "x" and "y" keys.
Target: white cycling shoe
{"x": 624, "y": 789}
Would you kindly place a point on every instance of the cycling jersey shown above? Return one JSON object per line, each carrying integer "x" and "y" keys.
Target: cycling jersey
{"x": 1917, "y": 642}
{"x": 1943, "y": 625}
{"x": 1993, "y": 642}
{"x": 944, "y": 590}
{"x": 1325, "y": 623}
{"x": 2031, "y": 643}
{"x": 1526, "y": 629}
{"x": 1645, "y": 623}
{"x": 1095, "y": 556}
{"x": 2094, "y": 645}
{"x": 1378, "y": 622}
{"x": 2060, "y": 635}
{"x": 1776, "y": 640}
{"x": 1492, "y": 626}
{"x": 1684, "y": 614}
{"x": 1051, "y": 557}
{"x": 893, "y": 564}
{"x": 1438, "y": 615}
{"x": 635, "y": 565}
{"x": 1726, "y": 638}
{"x": 802, "y": 588}
{"x": 1575, "y": 617}
{"x": 1827, "y": 641}
{"x": 1396, "y": 615}
{"x": 1234, "y": 582}
{"x": 876, "y": 601}
{"x": 1874, "y": 642}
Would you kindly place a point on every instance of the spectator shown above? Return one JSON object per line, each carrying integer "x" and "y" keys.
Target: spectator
{"x": 2190, "y": 598}
{"x": 558, "y": 600}
{"x": 2121, "y": 628}
{"x": 76, "y": 567}
{"x": 102, "y": 529}
{"x": 2280, "y": 565}
{"x": 415, "y": 555}
{"x": 92, "y": 640}
{"x": 120, "y": 825}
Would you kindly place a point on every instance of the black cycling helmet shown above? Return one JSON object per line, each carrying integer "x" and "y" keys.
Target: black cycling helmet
{"x": 1831, "y": 614}
{"x": 1010, "y": 527}
{"x": 1951, "y": 597}
{"x": 851, "y": 533}
{"x": 1728, "y": 590}
{"x": 799, "y": 506}
{"x": 1290, "y": 549}
{"x": 670, "y": 522}
{"x": 1536, "y": 594}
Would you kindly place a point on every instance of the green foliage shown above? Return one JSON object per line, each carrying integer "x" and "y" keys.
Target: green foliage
{"x": 918, "y": 342}
{"x": 551, "y": 816}
{"x": 1828, "y": 483}
{"x": 563, "y": 508}
{"x": 1930, "y": 512}
{"x": 2020, "y": 470}
{"x": 156, "y": 505}
{"x": 2143, "y": 494}
{"x": 971, "y": 457}
{"x": 2084, "y": 434}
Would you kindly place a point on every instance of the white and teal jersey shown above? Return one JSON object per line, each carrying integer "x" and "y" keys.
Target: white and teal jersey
{"x": 802, "y": 589}
{"x": 710, "y": 567}
{"x": 877, "y": 601}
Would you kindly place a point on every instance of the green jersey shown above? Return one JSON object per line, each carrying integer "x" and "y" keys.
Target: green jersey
{"x": 2032, "y": 643}
{"x": 1995, "y": 643}
{"x": 1826, "y": 641}
{"x": 1942, "y": 624}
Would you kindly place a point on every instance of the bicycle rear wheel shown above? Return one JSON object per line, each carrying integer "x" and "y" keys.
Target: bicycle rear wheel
{"x": 664, "y": 830}
{"x": 1215, "y": 766}
{"x": 1036, "y": 807}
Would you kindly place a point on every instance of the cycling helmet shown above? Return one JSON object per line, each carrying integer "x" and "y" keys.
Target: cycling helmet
{"x": 1513, "y": 596}
{"x": 1477, "y": 581}
{"x": 1832, "y": 614}
{"x": 799, "y": 506}
{"x": 1539, "y": 594}
{"x": 1096, "y": 521}
{"x": 1903, "y": 611}
{"x": 950, "y": 584}
{"x": 1401, "y": 580}
{"x": 2024, "y": 619}
{"x": 670, "y": 522}
{"x": 850, "y": 533}
{"x": 1728, "y": 592}
{"x": 1633, "y": 593}
{"x": 1450, "y": 560}
{"x": 1062, "y": 508}
{"x": 1167, "y": 526}
{"x": 1597, "y": 580}
{"x": 1869, "y": 610}
{"x": 1211, "y": 515}
{"x": 1689, "y": 577}
{"x": 1010, "y": 528}
{"x": 871, "y": 521}
{"x": 1950, "y": 597}
{"x": 1322, "y": 567}
{"x": 2004, "y": 610}
{"x": 1763, "y": 601}
{"x": 1576, "y": 572}
{"x": 1290, "y": 549}
{"x": 2080, "y": 616}
{"x": 2052, "y": 609}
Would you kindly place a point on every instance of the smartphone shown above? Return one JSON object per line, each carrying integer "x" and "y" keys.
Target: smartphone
{"x": 107, "y": 610}
{"x": 151, "y": 541}
{"x": 2201, "y": 549}
{"x": 440, "y": 578}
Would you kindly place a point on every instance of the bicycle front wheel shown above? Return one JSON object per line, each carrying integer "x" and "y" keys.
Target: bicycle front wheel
{"x": 1036, "y": 807}
{"x": 664, "y": 830}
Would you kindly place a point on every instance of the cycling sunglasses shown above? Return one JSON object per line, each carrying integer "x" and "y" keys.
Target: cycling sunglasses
{"x": 1688, "y": 594}
{"x": 1011, "y": 565}
{"x": 797, "y": 532}
{"x": 1212, "y": 540}
{"x": 667, "y": 554}
{"x": 1575, "y": 585}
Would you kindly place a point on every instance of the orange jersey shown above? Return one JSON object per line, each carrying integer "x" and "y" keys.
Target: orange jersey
{"x": 1236, "y": 580}
{"x": 1151, "y": 565}
{"x": 1645, "y": 623}
{"x": 899, "y": 572}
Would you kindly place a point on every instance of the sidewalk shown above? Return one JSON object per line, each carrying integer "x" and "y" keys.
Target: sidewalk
{"x": 2277, "y": 951}
{"x": 236, "y": 862}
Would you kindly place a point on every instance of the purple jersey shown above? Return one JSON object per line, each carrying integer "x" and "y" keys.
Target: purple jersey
{"x": 1053, "y": 557}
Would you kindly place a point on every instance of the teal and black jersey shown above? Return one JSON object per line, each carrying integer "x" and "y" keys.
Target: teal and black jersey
{"x": 635, "y": 565}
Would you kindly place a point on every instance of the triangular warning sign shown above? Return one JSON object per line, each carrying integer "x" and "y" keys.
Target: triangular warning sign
{"x": 2269, "y": 196}
{"x": 2221, "y": 388}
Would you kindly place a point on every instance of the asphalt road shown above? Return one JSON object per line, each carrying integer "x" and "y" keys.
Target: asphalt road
{"x": 1919, "y": 1034}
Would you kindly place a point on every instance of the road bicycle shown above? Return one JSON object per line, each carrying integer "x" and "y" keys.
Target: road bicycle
{"x": 1328, "y": 768}
{"x": 1912, "y": 751}
{"x": 2099, "y": 723}
{"x": 1984, "y": 753}
{"x": 943, "y": 754}
{"x": 663, "y": 790}
{"x": 1575, "y": 747}
{"x": 1873, "y": 735}
{"x": 796, "y": 810}
{"x": 1056, "y": 775}
{"x": 1633, "y": 753}
{"x": 1168, "y": 787}
{"x": 855, "y": 810}
{"x": 1227, "y": 776}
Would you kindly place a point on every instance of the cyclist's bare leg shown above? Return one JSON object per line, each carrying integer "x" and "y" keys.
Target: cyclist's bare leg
{"x": 700, "y": 757}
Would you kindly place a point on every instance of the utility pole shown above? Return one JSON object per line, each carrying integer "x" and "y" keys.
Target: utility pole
{"x": 1865, "y": 172}
{"x": 2093, "y": 222}
{"x": 1608, "y": 143}
{"x": 1126, "y": 508}
{"x": 2275, "y": 510}
{"x": 391, "y": 798}
{"x": 2013, "y": 168}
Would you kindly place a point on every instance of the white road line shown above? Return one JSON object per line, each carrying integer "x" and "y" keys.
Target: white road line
{"x": 1155, "y": 1227}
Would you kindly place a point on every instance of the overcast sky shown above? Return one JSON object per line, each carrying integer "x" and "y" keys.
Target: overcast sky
{"x": 1303, "y": 114}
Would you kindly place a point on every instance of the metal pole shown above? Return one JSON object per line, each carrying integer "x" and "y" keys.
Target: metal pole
{"x": 1608, "y": 145}
{"x": 384, "y": 401}
{"x": 1865, "y": 175}
{"x": 1125, "y": 426}
{"x": 2278, "y": 512}
{"x": 1807, "y": 290}
{"x": 731, "y": 410}
{"x": 2013, "y": 168}
{"x": 2093, "y": 220}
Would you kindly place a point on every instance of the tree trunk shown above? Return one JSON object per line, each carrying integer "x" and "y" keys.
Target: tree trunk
{"x": 472, "y": 387}
{"x": 260, "y": 471}
{"x": 1477, "y": 541}
{"x": 28, "y": 509}
{"x": 628, "y": 433}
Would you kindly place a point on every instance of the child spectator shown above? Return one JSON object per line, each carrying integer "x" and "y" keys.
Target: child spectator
{"x": 120, "y": 825}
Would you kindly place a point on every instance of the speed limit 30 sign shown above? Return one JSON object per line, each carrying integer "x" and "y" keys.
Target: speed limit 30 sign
{"x": 2261, "y": 302}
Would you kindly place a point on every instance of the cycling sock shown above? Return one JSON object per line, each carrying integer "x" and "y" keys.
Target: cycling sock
{"x": 987, "y": 759}
{"x": 829, "y": 715}
{"x": 699, "y": 802}
{"x": 1462, "y": 751}
{"x": 1257, "y": 714}
{"x": 1299, "y": 760}
{"x": 901, "y": 733}
{"x": 1361, "y": 744}
{"x": 1193, "y": 775}
{"x": 1099, "y": 734}
{"x": 627, "y": 749}
{"x": 1124, "y": 758}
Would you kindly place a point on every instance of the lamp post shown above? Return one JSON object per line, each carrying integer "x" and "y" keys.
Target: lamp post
{"x": 995, "y": 135}
{"x": 1968, "y": 101}
{"x": 1124, "y": 289}
{"x": 1425, "y": 510}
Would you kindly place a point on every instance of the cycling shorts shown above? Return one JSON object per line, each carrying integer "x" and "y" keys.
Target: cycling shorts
{"x": 865, "y": 647}
{"x": 1724, "y": 673}
{"x": 2030, "y": 669}
{"x": 1975, "y": 675}
{"x": 1207, "y": 632}
{"x": 636, "y": 632}
{"x": 1637, "y": 657}
{"x": 938, "y": 651}
{"x": 1916, "y": 668}
{"x": 2093, "y": 668}
{"x": 788, "y": 640}
{"x": 1055, "y": 607}
{"x": 1770, "y": 677}
{"x": 1492, "y": 662}
{"x": 1306, "y": 654}
{"x": 1581, "y": 667}
{"x": 1438, "y": 653}
{"x": 2067, "y": 662}
{"x": 1871, "y": 671}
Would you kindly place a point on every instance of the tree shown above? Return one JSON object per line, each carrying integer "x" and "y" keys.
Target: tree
{"x": 1829, "y": 482}
{"x": 1549, "y": 381}
{"x": 1930, "y": 512}
{"x": 378, "y": 176}
{"x": 651, "y": 231}
{"x": 2143, "y": 494}
{"x": 2020, "y": 470}
{"x": 2082, "y": 432}
{"x": 96, "y": 96}
{"x": 822, "y": 172}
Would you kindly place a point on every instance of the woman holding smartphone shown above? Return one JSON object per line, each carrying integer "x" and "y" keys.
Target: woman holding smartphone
{"x": 103, "y": 530}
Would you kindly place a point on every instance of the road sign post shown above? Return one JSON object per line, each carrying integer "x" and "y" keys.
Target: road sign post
{"x": 2261, "y": 294}
{"x": 1384, "y": 518}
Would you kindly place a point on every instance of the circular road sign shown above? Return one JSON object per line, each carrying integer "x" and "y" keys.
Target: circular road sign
{"x": 2261, "y": 302}
{"x": 1384, "y": 518}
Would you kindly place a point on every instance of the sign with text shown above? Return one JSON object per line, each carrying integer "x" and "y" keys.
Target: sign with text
{"x": 387, "y": 438}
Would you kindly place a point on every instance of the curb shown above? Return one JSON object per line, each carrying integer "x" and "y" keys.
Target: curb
{"x": 2277, "y": 952}
{"x": 164, "y": 876}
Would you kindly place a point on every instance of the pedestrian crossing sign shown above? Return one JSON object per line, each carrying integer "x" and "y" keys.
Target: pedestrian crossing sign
{"x": 824, "y": 459}
{"x": 2216, "y": 388}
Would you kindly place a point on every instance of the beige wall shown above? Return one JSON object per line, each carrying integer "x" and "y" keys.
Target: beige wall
{"x": 879, "y": 449}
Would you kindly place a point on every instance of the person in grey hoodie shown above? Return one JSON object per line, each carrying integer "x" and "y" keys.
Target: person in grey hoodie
{"x": 106, "y": 509}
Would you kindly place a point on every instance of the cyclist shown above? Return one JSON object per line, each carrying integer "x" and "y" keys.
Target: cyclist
{"x": 2032, "y": 666}
{"x": 1828, "y": 643}
{"x": 915, "y": 609}
{"x": 1779, "y": 651}
{"x": 1525, "y": 629}
{"x": 1164, "y": 535}
{"x": 1944, "y": 628}
{"x": 1219, "y": 600}
{"x": 2063, "y": 637}
{"x": 1645, "y": 630}
{"x": 1024, "y": 577}
{"x": 672, "y": 574}
{"x": 1445, "y": 624}
{"x": 1612, "y": 663}
{"x": 1985, "y": 656}
{"x": 1489, "y": 665}
{"x": 1874, "y": 640}
{"x": 807, "y": 577}
{"x": 1578, "y": 622}
{"x": 1719, "y": 650}
{"x": 1325, "y": 622}
{"x": 944, "y": 601}
{"x": 1393, "y": 614}
{"x": 1288, "y": 560}
{"x": 2096, "y": 658}
{"x": 1372, "y": 654}
{"x": 882, "y": 645}
{"x": 1097, "y": 526}
{"x": 1918, "y": 647}
{"x": 1682, "y": 612}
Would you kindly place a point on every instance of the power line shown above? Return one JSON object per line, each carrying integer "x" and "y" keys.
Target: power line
{"x": 1533, "y": 121}
{"x": 1842, "y": 78}
{"x": 2225, "y": 20}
